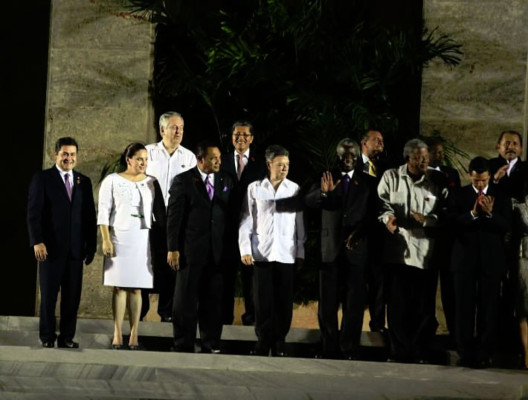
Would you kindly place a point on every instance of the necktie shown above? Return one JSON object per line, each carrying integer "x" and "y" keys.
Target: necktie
{"x": 345, "y": 181}
{"x": 68, "y": 185}
{"x": 372, "y": 168}
{"x": 209, "y": 187}
{"x": 241, "y": 163}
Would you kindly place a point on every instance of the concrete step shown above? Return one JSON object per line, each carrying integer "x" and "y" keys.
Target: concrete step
{"x": 37, "y": 373}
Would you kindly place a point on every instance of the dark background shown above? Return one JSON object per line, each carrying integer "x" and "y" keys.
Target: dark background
{"x": 24, "y": 39}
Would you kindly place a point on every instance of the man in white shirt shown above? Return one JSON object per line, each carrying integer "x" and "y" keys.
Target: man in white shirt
{"x": 271, "y": 239}
{"x": 166, "y": 159}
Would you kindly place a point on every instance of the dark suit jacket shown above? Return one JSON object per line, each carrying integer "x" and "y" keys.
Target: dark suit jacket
{"x": 478, "y": 243}
{"x": 67, "y": 228}
{"x": 196, "y": 224}
{"x": 452, "y": 176}
{"x": 380, "y": 163}
{"x": 342, "y": 215}
{"x": 512, "y": 185}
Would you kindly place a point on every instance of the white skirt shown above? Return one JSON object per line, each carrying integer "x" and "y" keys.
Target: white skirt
{"x": 131, "y": 267}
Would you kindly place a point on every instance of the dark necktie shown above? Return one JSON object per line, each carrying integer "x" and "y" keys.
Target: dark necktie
{"x": 209, "y": 187}
{"x": 345, "y": 181}
{"x": 68, "y": 185}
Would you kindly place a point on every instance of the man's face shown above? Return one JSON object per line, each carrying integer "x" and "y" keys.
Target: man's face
{"x": 242, "y": 138}
{"x": 418, "y": 161}
{"x": 509, "y": 147}
{"x": 138, "y": 162}
{"x": 373, "y": 144}
{"x": 66, "y": 158}
{"x": 348, "y": 159}
{"x": 278, "y": 168}
{"x": 479, "y": 181}
{"x": 172, "y": 132}
{"x": 210, "y": 163}
{"x": 437, "y": 155}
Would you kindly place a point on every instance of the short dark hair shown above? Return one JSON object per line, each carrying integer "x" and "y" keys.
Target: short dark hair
{"x": 65, "y": 141}
{"x": 510, "y": 133}
{"x": 242, "y": 123}
{"x": 129, "y": 152}
{"x": 479, "y": 165}
{"x": 201, "y": 148}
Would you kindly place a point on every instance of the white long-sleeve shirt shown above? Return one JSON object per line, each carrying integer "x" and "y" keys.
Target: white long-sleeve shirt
{"x": 271, "y": 230}
{"x": 164, "y": 167}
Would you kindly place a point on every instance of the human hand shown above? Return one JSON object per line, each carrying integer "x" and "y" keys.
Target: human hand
{"x": 247, "y": 259}
{"x": 486, "y": 203}
{"x": 327, "y": 182}
{"x": 108, "y": 248}
{"x": 501, "y": 172}
{"x": 173, "y": 259}
{"x": 352, "y": 241}
{"x": 420, "y": 218}
{"x": 391, "y": 224}
{"x": 41, "y": 252}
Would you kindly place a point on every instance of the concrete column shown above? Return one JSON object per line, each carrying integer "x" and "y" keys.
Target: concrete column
{"x": 100, "y": 67}
{"x": 487, "y": 93}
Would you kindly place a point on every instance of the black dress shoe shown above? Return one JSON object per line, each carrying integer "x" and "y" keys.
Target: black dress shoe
{"x": 133, "y": 347}
{"x": 67, "y": 344}
{"x": 48, "y": 344}
{"x": 211, "y": 350}
{"x": 166, "y": 319}
{"x": 118, "y": 347}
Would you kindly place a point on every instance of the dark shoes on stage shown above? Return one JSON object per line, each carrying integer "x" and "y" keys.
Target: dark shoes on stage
{"x": 166, "y": 319}
{"x": 61, "y": 343}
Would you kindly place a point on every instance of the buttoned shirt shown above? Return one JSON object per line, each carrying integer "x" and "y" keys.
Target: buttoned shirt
{"x": 399, "y": 196}
{"x": 164, "y": 166}
{"x": 268, "y": 232}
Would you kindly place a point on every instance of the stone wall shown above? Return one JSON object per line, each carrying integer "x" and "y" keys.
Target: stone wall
{"x": 487, "y": 93}
{"x": 100, "y": 66}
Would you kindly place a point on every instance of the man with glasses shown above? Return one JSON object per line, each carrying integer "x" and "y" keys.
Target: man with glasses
{"x": 244, "y": 166}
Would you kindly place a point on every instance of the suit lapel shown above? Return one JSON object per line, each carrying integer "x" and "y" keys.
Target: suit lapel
{"x": 200, "y": 184}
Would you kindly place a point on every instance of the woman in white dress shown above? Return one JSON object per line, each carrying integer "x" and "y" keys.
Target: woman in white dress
{"x": 130, "y": 202}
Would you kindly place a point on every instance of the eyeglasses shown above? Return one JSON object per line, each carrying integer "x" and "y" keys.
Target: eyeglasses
{"x": 244, "y": 135}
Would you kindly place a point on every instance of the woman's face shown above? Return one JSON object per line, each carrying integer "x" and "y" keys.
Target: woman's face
{"x": 137, "y": 164}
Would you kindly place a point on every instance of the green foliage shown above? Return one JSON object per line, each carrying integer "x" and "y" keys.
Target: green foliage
{"x": 306, "y": 73}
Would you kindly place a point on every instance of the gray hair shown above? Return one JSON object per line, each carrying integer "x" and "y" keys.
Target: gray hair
{"x": 412, "y": 145}
{"x": 346, "y": 142}
{"x": 164, "y": 118}
{"x": 275, "y": 150}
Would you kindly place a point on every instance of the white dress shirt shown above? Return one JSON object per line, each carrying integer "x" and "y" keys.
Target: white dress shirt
{"x": 164, "y": 167}
{"x": 269, "y": 234}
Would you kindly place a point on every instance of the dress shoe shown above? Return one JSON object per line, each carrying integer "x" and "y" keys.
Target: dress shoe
{"x": 67, "y": 344}
{"x": 166, "y": 319}
{"x": 351, "y": 356}
{"x": 133, "y": 347}
{"x": 118, "y": 347}
{"x": 211, "y": 350}
{"x": 48, "y": 344}
{"x": 464, "y": 362}
{"x": 248, "y": 320}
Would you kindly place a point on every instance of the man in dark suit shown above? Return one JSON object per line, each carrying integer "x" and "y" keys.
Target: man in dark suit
{"x": 348, "y": 199}
{"x": 481, "y": 217}
{"x": 450, "y": 179}
{"x": 196, "y": 218}
{"x": 244, "y": 166}
{"x": 509, "y": 173}
{"x": 62, "y": 229}
{"x": 372, "y": 163}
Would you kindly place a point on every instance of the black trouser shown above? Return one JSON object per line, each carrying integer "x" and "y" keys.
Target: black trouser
{"x": 198, "y": 301}
{"x": 273, "y": 297}
{"x": 64, "y": 275}
{"x": 477, "y": 295}
{"x": 341, "y": 282}
{"x": 411, "y": 311}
